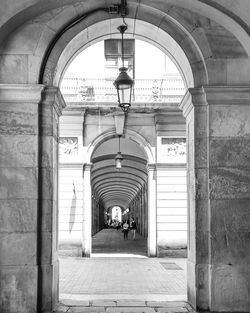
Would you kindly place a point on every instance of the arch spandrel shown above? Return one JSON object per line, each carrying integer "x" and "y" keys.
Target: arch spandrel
{"x": 194, "y": 41}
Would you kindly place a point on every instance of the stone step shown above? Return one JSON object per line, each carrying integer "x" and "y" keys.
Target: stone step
{"x": 123, "y": 306}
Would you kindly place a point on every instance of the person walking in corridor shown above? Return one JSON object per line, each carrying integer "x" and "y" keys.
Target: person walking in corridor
{"x": 133, "y": 227}
{"x": 125, "y": 229}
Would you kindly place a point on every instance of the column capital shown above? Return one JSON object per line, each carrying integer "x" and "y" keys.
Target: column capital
{"x": 87, "y": 167}
{"x": 193, "y": 97}
{"x": 21, "y": 93}
{"x": 53, "y": 96}
{"x": 151, "y": 167}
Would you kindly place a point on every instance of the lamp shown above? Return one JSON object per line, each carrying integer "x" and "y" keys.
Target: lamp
{"x": 123, "y": 82}
{"x": 118, "y": 158}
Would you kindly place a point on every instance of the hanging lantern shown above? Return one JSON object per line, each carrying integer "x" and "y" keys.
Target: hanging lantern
{"x": 118, "y": 158}
{"x": 123, "y": 82}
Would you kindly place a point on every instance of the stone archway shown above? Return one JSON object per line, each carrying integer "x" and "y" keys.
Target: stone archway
{"x": 148, "y": 182}
{"x": 218, "y": 162}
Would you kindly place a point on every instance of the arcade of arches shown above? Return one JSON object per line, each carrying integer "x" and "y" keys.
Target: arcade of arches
{"x": 209, "y": 43}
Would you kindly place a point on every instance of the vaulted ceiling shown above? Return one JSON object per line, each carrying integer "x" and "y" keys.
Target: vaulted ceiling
{"x": 118, "y": 187}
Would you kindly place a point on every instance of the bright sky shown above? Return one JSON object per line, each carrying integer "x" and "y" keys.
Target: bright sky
{"x": 149, "y": 62}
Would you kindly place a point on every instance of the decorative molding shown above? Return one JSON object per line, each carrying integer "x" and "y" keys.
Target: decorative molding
{"x": 87, "y": 167}
{"x": 70, "y": 166}
{"x": 53, "y": 96}
{"x": 227, "y": 95}
{"x": 167, "y": 166}
{"x": 21, "y": 93}
{"x": 214, "y": 95}
{"x": 68, "y": 146}
{"x": 194, "y": 97}
{"x": 151, "y": 167}
{"x": 186, "y": 104}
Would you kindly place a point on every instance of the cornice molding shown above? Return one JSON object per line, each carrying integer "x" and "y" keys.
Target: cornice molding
{"x": 53, "y": 96}
{"x": 214, "y": 95}
{"x": 227, "y": 95}
{"x": 167, "y": 166}
{"x": 151, "y": 167}
{"x": 21, "y": 93}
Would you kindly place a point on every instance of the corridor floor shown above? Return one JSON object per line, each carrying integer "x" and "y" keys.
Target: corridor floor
{"x": 119, "y": 277}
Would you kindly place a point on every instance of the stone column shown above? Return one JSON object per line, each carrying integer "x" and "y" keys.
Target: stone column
{"x": 195, "y": 109}
{"x": 87, "y": 211}
{"x": 28, "y": 195}
{"x": 151, "y": 210}
{"x": 218, "y": 131}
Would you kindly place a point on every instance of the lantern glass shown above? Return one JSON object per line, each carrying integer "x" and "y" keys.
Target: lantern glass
{"x": 118, "y": 161}
{"x": 123, "y": 82}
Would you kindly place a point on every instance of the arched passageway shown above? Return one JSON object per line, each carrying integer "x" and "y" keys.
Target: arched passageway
{"x": 210, "y": 42}
{"x": 125, "y": 187}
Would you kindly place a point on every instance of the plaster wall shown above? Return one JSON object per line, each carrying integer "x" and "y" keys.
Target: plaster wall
{"x": 70, "y": 209}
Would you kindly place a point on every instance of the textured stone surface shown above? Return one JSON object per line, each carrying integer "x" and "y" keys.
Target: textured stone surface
{"x": 229, "y": 246}
{"x": 18, "y": 151}
{"x": 230, "y": 288}
{"x": 18, "y": 119}
{"x": 229, "y": 152}
{"x": 49, "y": 288}
{"x": 49, "y": 151}
{"x": 18, "y": 289}
{"x": 201, "y": 152}
{"x": 18, "y": 215}
{"x": 18, "y": 248}
{"x": 231, "y": 215}
{"x": 229, "y": 183}
{"x": 48, "y": 187}
{"x": 18, "y": 183}
{"x": 229, "y": 120}
{"x": 14, "y": 69}
{"x": 198, "y": 288}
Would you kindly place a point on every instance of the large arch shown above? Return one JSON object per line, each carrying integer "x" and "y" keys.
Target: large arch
{"x": 219, "y": 180}
{"x": 185, "y": 22}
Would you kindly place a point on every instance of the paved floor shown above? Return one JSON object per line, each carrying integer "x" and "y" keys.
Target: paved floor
{"x": 111, "y": 241}
{"x": 126, "y": 282}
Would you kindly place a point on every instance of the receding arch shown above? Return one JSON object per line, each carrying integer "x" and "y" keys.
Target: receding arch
{"x": 129, "y": 134}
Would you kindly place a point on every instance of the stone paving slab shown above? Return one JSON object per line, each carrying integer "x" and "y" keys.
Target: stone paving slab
{"x": 130, "y": 303}
{"x": 103, "y": 303}
{"x": 171, "y": 304}
{"x": 130, "y": 309}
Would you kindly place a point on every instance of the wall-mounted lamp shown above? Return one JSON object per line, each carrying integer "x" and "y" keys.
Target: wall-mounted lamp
{"x": 118, "y": 157}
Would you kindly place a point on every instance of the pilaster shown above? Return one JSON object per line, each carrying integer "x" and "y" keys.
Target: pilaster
{"x": 19, "y": 197}
{"x": 152, "y": 210}
{"x": 229, "y": 196}
{"x": 87, "y": 210}
{"x": 218, "y": 197}
{"x": 50, "y": 108}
